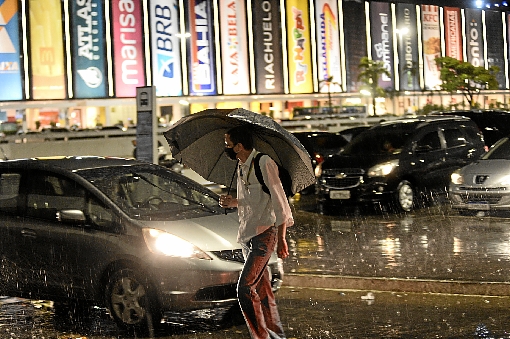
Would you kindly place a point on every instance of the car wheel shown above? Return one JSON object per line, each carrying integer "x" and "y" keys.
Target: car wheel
{"x": 131, "y": 302}
{"x": 405, "y": 196}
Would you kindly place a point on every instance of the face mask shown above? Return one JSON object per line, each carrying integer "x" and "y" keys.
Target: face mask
{"x": 229, "y": 152}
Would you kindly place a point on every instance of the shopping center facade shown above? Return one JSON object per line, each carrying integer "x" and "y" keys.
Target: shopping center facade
{"x": 79, "y": 62}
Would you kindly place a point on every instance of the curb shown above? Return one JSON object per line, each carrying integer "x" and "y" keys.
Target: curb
{"x": 397, "y": 284}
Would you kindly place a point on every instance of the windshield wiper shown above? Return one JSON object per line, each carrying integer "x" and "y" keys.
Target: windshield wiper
{"x": 198, "y": 203}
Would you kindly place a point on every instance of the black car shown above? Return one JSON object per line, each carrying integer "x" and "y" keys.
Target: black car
{"x": 320, "y": 145}
{"x": 394, "y": 160}
{"x": 494, "y": 124}
{"x": 135, "y": 237}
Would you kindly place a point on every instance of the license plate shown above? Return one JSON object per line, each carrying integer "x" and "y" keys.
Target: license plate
{"x": 340, "y": 194}
{"x": 479, "y": 206}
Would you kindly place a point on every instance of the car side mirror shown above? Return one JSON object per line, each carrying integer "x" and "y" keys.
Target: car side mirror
{"x": 76, "y": 217}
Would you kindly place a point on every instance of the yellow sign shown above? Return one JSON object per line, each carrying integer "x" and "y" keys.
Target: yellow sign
{"x": 299, "y": 47}
{"x": 47, "y": 49}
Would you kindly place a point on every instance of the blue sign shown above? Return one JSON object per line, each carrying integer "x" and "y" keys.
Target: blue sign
{"x": 10, "y": 61}
{"x": 88, "y": 49}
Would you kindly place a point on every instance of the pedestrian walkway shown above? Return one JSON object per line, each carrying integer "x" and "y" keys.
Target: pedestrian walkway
{"x": 430, "y": 250}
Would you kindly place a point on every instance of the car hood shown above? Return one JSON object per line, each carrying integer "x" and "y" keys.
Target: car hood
{"x": 495, "y": 166}
{"x": 356, "y": 161}
{"x": 211, "y": 233}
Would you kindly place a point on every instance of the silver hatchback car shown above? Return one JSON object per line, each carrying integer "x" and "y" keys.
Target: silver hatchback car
{"x": 135, "y": 237}
{"x": 485, "y": 184}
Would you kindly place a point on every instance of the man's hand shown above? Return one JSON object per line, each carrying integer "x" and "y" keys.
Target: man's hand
{"x": 282, "y": 249}
{"x": 227, "y": 201}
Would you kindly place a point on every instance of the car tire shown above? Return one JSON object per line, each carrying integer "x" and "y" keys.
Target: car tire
{"x": 131, "y": 301}
{"x": 405, "y": 196}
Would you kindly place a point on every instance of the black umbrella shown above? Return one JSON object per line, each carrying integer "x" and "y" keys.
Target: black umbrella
{"x": 198, "y": 141}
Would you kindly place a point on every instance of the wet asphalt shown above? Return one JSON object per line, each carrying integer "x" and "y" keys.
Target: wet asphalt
{"x": 431, "y": 273}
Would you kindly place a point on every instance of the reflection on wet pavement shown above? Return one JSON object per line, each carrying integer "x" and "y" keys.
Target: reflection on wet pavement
{"x": 431, "y": 243}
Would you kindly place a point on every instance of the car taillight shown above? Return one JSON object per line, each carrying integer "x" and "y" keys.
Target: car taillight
{"x": 318, "y": 158}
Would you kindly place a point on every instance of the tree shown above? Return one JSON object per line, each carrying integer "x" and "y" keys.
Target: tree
{"x": 462, "y": 76}
{"x": 370, "y": 72}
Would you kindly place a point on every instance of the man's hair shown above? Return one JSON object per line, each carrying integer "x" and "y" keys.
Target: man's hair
{"x": 241, "y": 134}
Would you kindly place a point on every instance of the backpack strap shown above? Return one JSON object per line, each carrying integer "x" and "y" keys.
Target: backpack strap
{"x": 258, "y": 172}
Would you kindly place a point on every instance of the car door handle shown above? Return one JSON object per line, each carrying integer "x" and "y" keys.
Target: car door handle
{"x": 28, "y": 233}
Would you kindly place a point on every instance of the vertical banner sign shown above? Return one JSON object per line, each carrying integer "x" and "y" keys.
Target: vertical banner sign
{"x": 453, "y": 33}
{"x": 128, "y": 48}
{"x": 328, "y": 44}
{"x": 234, "y": 47}
{"x": 47, "y": 49}
{"x": 355, "y": 41}
{"x": 408, "y": 66}
{"x": 495, "y": 50}
{"x": 88, "y": 60}
{"x": 10, "y": 70}
{"x": 431, "y": 46}
{"x": 267, "y": 44}
{"x": 382, "y": 36}
{"x": 201, "y": 48}
{"x": 166, "y": 47}
{"x": 474, "y": 36}
{"x": 299, "y": 47}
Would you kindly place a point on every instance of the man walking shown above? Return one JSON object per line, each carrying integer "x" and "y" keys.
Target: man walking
{"x": 263, "y": 219}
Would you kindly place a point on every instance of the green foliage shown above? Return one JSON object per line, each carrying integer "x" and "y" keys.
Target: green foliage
{"x": 370, "y": 72}
{"x": 463, "y": 77}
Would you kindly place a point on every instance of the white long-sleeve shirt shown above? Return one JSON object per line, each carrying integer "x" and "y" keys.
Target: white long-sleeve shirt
{"x": 258, "y": 210}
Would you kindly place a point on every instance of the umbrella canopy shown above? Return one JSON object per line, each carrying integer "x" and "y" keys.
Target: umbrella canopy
{"x": 198, "y": 141}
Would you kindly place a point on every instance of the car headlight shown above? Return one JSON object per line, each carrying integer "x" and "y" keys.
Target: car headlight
{"x": 383, "y": 169}
{"x": 457, "y": 178}
{"x": 505, "y": 181}
{"x": 164, "y": 243}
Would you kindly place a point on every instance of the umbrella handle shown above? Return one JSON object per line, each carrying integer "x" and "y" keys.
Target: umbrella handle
{"x": 231, "y": 181}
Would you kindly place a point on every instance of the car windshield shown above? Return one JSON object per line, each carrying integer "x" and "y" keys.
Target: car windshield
{"x": 379, "y": 140}
{"x": 153, "y": 193}
{"x": 500, "y": 151}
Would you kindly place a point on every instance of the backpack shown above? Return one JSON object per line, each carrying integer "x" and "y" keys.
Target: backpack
{"x": 282, "y": 173}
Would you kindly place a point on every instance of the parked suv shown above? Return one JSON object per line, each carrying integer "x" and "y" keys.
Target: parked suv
{"x": 494, "y": 124}
{"x": 395, "y": 160}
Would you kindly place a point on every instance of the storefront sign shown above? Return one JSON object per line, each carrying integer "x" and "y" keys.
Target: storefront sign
{"x": 166, "y": 47}
{"x": 453, "y": 33}
{"x": 355, "y": 39}
{"x": 495, "y": 49}
{"x": 407, "y": 42}
{"x": 267, "y": 44}
{"x": 474, "y": 36}
{"x": 328, "y": 44}
{"x": 382, "y": 42}
{"x": 299, "y": 47}
{"x": 201, "y": 48}
{"x": 10, "y": 63}
{"x": 88, "y": 59}
{"x": 127, "y": 47}
{"x": 431, "y": 34}
{"x": 47, "y": 49}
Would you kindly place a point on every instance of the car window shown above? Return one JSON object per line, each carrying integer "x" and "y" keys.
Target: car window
{"x": 46, "y": 194}
{"x": 99, "y": 215}
{"x": 500, "y": 151}
{"x": 9, "y": 192}
{"x": 153, "y": 194}
{"x": 429, "y": 142}
{"x": 454, "y": 137}
{"x": 377, "y": 141}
